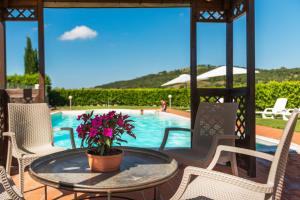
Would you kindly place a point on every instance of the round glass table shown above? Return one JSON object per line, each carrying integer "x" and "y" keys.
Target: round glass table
{"x": 69, "y": 170}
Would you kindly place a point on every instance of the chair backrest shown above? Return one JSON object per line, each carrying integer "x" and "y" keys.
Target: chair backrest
{"x": 31, "y": 123}
{"x": 214, "y": 119}
{"x": 280, "y": 104}
{"x": 277, "y": 170}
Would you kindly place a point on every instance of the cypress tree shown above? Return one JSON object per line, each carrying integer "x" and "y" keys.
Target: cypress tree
{"x": 30, "y": 58}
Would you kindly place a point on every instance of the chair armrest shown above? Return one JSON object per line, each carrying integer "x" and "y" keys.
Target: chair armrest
{"x": 71, "y": 131}
{"x": 6, "y": 183}
{"x": 219, "y": 176}
{"x": 166, "y": 135}
{"x": 268, "y": 110}
{"x": 238, "y": 150}
{"x": 13, "y": 142}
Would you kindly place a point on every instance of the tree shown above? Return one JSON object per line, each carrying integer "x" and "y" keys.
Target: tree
{"x": 30, "y": 58}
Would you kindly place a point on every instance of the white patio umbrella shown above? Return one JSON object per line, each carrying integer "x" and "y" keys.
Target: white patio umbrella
{"x": 183, "y": 78}
{"x": 221, "y": 71}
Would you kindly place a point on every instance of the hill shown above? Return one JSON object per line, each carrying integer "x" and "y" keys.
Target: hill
{"x": 156, "y": 80}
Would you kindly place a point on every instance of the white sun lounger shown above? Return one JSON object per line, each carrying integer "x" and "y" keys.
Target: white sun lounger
{"x": 278, "y": 110}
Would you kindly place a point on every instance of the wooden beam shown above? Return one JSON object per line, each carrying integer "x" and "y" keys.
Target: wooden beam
{"x": 250, "y": 111}
{"x": 202, "y": 4}
{"x": 2, "y": 55}
{"x": 21, "y": 3}
{"x": 41, "y": 45}
{"x": 193, "y": 62}
{"x": 116, "y": 5}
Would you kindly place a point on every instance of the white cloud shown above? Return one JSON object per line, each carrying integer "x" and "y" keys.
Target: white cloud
{"x": 79, "y": 33}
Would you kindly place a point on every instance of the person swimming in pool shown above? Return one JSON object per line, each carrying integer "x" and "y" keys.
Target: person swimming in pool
{"x": 163, "y": 105}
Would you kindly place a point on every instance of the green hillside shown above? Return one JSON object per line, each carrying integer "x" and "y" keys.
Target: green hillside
{"x": 156, "y": 80}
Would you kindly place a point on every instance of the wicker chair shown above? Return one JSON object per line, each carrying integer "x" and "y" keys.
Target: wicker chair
{"x": 214, "y": 125}
{"x": 216, "y": 185}
{"x": 30, "y": 135}
{"x": 8, "y": 190}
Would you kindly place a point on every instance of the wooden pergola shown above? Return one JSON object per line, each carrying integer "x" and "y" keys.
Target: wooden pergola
{"x": 214, "y": 11}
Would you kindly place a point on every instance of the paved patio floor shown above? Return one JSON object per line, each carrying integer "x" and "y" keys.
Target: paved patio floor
{"x": 35, "y": 191}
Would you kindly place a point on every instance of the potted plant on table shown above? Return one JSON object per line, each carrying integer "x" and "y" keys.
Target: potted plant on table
{"x": 100, "y": 133}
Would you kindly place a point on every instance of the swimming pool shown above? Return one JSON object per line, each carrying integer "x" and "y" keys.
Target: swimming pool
{"x": 149, "y": 129}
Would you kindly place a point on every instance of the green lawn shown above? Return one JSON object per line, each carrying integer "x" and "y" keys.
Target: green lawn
{"x": 275, "y": 123}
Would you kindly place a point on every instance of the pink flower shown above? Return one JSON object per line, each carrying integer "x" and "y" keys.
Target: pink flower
{"x": 80, "y": 131}
{"x": 108, "y": 132}
{"x": 79, "y": 117}
{"x": 97, "y": 121}
{"x": 120, "y": 121}
{"x": 93, "y": 132}
{"x": 111, "y": 114}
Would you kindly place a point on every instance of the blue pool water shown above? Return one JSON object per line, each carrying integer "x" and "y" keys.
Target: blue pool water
{"x": 149, "y": 130}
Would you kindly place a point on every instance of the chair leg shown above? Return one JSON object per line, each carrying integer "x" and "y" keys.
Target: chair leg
{"x": 233, "y": 164}
{"x": 46, "y": 196}
{"x": 21, "y": 175}
{"x": 9, "y": 158}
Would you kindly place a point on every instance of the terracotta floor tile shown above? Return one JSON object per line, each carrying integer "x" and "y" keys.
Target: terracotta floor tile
{"x": 35, "y": 191}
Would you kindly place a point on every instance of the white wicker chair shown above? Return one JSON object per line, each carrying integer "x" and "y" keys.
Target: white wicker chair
{"x": 30, "y": 135}
{"x": 8, "y": 189}
{"x": 216, "y": 185}
{"x": 214, "y": 125}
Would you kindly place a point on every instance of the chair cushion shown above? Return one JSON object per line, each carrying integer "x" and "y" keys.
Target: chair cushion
{"x": 205, "y": 188}
{"x": 189, "y": 156}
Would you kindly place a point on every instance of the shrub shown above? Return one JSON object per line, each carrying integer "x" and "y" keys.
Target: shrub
{"x": 25, "y": 81}
{"x": 266, "y": 95}
{"x": 135, "y": 97}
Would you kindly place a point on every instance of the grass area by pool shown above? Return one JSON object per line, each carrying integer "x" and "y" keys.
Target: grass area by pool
{"x": 275, "y": 123}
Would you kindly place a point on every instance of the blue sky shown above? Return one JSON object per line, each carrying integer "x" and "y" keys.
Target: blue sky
{"x": 122, "y": 44}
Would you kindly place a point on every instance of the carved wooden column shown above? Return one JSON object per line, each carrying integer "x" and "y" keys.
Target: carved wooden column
{"x": 250, "y": 111}
{"x": 2, "y": 53}
{"x": 193, "y": 62}
{"x": 41, "y": 45}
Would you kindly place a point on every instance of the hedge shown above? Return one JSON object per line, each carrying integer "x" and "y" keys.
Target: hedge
{"x": 266, "y": 95}
{"x": 135, "y": 97}
{"x": 25, "y": 81}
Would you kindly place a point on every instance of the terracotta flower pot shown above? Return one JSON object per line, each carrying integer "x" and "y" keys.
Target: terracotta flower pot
{"x": 108, "y": 163}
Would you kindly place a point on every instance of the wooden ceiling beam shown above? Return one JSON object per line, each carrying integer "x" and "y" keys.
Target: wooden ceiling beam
{"x": 22, "y": 3}
{"x": 124, "y": 4}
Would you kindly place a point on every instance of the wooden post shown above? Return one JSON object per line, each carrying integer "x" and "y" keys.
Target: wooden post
{"x": 229, "y": 59}
{"x": 2, "y": 55}
{"x": 193, "y": 62}
{"x": 229, "y": 54}
{"x": 41, "y": 45}
{"x": 250, "y": 111}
